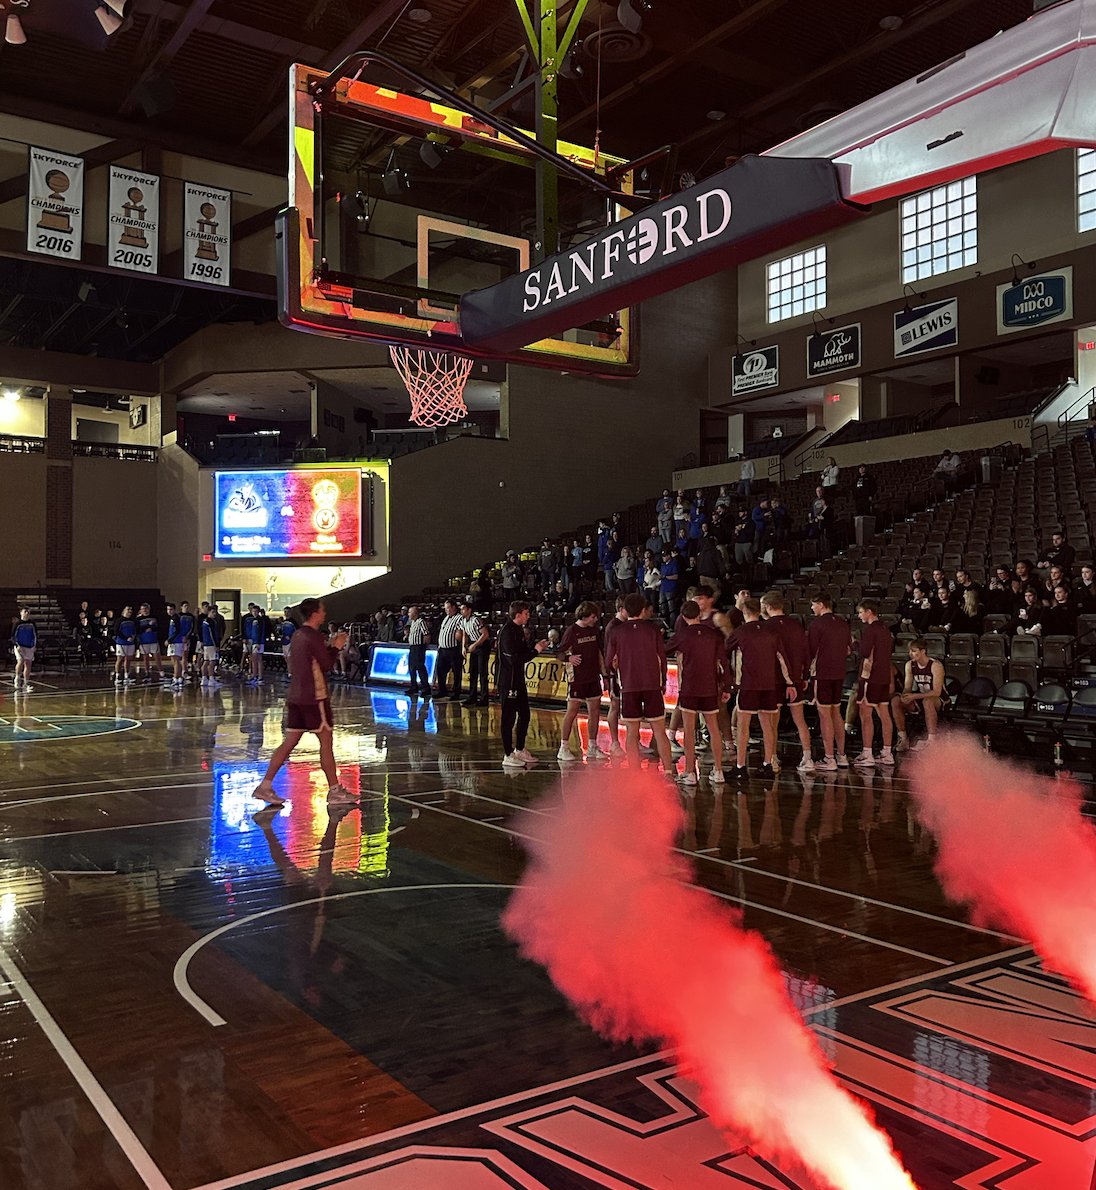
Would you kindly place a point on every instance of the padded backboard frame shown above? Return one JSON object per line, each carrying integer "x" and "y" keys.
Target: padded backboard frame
{"x": 311, "y": 301}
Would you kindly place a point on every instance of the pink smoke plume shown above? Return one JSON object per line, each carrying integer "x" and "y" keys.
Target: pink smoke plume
{"x": 606, "y": 906}
{"x": 1015, "y": 847}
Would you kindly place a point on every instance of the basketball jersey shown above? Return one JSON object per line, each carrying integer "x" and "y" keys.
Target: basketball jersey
{"x": 922, "y": 678}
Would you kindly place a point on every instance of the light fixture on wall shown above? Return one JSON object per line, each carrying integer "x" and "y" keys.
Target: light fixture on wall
{"x": 908, "y": 289}
{"x": 12, "y": 394}
{"x": 1018, "y": 263}
{"x": 740, "y": 341}
{"x": 816, "y": 319}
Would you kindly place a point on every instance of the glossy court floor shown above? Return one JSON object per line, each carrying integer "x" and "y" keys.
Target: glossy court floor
{"x": 196, "y": 995}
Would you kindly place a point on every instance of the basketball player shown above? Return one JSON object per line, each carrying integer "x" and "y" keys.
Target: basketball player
{"x": 148, "y": 640}
{"x": 254, "y": 639}
{"x": 637, "y": 652}
{"x": 701, "y": 659}
{"x": 308, "y": 706}
{"x": 581, "y": 645}
{"x": 612, "y": 682}
{"x": 793, "y": 645}
{"x": 830, "y": 642}
{"x": 176, "y": 644}
{"x": 125, "y": 647}
{"x": 212, "y": 632}
{"x": 876, "y": 684}
{"x": 188, "y": 628}
{"x": 514, "y": 653}
{"x": 759, "y": 662}
{"x": 924, "y": 689}
{"x": 25, "y": 640}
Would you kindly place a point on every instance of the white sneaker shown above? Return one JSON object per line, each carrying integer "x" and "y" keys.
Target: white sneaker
{"x": 826, "y": 765}
{"x": 214, "y": 685}
{"x": 595, "y": 753}
{"x": 26, "y": 687}
{"x": 526, "y": 756}
{"x": 117, "y": 682}
{"x": 806, "y": 765}
{"x": 129, "y": 682}
{"x": 903, "y": 744}
{"x": 615, "y": 749}
{"x": 864, "y": 761}
{"x": 265, "y": 792}
{"x": 716, "y": 777}
{"x": 841, "y": 760}
{"x": 565, "y": 754}
{"x": 688, "y": 778}
{"x": 886, "y": 758}
{"x": 513, "y": 761}
{"x": 339, "y": 795}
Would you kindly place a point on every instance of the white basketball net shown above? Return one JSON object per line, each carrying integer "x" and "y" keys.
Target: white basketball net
{"x": 435, "y": 381}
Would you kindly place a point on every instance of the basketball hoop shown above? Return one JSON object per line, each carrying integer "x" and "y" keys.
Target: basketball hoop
{"x": 435, "y": 380}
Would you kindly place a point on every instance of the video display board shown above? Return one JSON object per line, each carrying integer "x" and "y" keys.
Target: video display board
{"x": 302, "y": 513}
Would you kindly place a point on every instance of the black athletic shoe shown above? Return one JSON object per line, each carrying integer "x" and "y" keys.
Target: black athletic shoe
{"x": 412, "y": 689}
{"x": 741, "y": 772}
{"x": 481, "y": 702}
{"x": 468, "y": 702}
{"x": 767, "y": 772}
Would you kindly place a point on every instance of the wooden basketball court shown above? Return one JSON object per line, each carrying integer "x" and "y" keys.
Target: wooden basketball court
{"x": 197, "y": 995}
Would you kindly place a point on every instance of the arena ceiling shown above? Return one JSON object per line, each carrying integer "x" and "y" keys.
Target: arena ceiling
{"x": 718, "y": 78}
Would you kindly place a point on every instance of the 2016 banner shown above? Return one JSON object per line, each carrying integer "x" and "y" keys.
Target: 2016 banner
{"x": 207, "y": 234}
{"x": 55, "y": 204}
{"x": 133, "y": 221}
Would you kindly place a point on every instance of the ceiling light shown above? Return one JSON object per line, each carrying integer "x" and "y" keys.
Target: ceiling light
{"x": 420, "y": 16}
{"x": 12, "y": 394}
{"x": 891, "y": 24}
{"x": 13, "y": 31}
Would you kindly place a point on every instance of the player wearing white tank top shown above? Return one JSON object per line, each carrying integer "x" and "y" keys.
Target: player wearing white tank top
{"x": 923, "y": 689}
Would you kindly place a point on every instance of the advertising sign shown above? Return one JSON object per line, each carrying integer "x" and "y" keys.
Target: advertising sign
{"x": 1035, "y": 301}
{"x": 133, "y": 221}
{"x": 207, "y": 234}
{"x": 55, "y": 204}
{"x": 389, "y": 663}
{"x": 304, "y": 513}
{"x": 834, "y": 351}
{"x": 926, "y": 328}
{"x": 754, "y": 370}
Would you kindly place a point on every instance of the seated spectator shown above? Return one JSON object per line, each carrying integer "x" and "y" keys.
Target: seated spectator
{"x": 1025, "y": 572}
{"x": 918, "y": 578}
{"x": 946, "y": 473}
{"x": 1060, "y": 619}
{"x": 922, "y": 610}
{"x": 1029, "y": 618}
{"x": 969, "y": 615}
{"x": 1059, "y": 553}
{"x": 940, "y": 579}
{"x": 1084, "y": 593}
{"x": 626, "y": 571}
{"x": 963, "y": 582}
{"x": 562, "y": 601}
{"x": 1047, "y": 587}
{"x": 945, "y": 611}
{"x": 998, "y": 598}
{"x": 553, "y": 640}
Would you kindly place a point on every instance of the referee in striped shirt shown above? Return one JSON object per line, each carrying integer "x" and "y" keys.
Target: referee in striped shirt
{"x": 449, "y": 652}
{"x": 418, "y": 637}
{"x": 477, "y": 647}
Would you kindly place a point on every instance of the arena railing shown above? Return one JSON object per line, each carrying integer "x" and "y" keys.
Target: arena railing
{"x": 111, "y": 450}
{"x": 20, "y": 444}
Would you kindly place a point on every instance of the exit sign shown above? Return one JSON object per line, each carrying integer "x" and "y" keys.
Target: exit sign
{"x": 833, "y": 398}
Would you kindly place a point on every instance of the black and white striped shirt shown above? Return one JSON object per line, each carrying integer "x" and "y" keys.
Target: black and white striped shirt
{"x": 419, "y": 632}
{"x": 471, "y": 629}
{"x": 447, "y": 633}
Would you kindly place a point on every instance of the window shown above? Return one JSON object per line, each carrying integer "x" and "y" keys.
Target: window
{"x": 940, "y": 230}
{"x": 1086, "y": 189}
{"x": 797, "y": 284}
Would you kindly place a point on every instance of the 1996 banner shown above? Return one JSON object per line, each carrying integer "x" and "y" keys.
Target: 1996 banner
{"x": 207, "y": 234}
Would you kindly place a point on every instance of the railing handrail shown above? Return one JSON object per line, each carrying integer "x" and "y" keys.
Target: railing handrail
{"x": 122, "y": 451}
{"x": 1065, "y": 418}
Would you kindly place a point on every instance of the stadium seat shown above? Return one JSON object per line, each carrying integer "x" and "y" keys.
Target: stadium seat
{"x": 1012, "y": 701}
{"x": 992, "y": 647}
{"x": 963, "y": 644}
{"x": 1057, "y": 653}
{"x": 1023, "y": 671}
{"x": 975, "y": 701}
{"x": 959, "y": 668}
{"x": 993, "y": 670}
{"x": 994, "y": 623}
{"x": 1025, "y": 648}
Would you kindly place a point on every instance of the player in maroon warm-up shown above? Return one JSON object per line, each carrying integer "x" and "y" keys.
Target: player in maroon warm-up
{"x": 830, "y": 643}
{"x": 701, "y": 660}
{"x": 793, "y": 645}
{"x": 612, "y": 682}
{"x": 876, "y": 684}
{"x": 581, "y": 645}
{"x": 636, "y": 651}
{"x": 759, "y": 660}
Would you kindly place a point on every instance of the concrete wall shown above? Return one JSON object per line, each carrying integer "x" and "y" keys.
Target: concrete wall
{"x": 177, "y": 524}
{"x": 22, "y": 495}
{"x": 114, "y": 523}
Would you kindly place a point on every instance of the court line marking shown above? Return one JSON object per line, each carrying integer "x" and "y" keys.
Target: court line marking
{"x": 68, "y": 797}
{"x": 115, "y": 1123}
{"x": 92, "y": 830}
{"x": 131, "y": 725}
{"x": 298, "y": 1164}
{"x": 95, "y": 781}
{"x": 200, "y": 1006}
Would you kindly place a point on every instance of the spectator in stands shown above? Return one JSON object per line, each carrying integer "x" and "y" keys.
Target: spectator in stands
{"x": 652, "y": 577}
{"x": 945, "y": 611}
{"x": 24, "y": 638}
{"x": 386, "y": 627}
{"x": 613, "y": 548}
{"x": 918, "y": 578}
{"x": 626, "y": 571}
{"x": 664, "y": 514}
{"x": 762, "y": 518}
{"x": 999, "y": 599}
{"x": 1025, "y": 572}
{"x": 964, "y": 582}
{"x": 682, "y": 508}
{"x": 1060, "y": 553}
{"x": 512, "y": 575}
{"x": 654, "y": 542}
{"x": 864, "y": 491}
{"x": 697, "y": 520}
{"x": 945, "y": 477}
{"x": 82, "y": 635}
{"x": 969, "y": 615}
{"x": 940, "y": 579}
{"x": 1060, "y": 619}
{"x": 546, "y": 560}
{"x": 743, "y": 539}
{"x": 682, "y": 547}
{"x": 479, "y": 593}
{"x": 1047, "y": 588}
{"x": 747, "y": 473}
{"x": 561, "y": 601}
{"x": 667, "y": 594}
{"x": 1029, "y": 618}
{"x": 589, "y": 562}
{"x": 782, "y": 522}
{"x": 723, "y": 499}
{"x": 831, "y": 473}
{"x": 709, "y": 562}
{"x": 922, "y": 611}
{"x": 723, "y": 532}
{"x": 1084, "y": 593}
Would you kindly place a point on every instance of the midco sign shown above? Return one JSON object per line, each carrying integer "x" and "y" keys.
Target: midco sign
{"x": 758, "y": 205}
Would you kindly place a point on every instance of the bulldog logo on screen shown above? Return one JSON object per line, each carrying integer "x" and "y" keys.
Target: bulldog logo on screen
{"x": 325, "y": 494}
{"x": 245, "y": 509}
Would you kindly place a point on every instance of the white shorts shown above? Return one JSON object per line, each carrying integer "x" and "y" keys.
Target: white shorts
{"x": 285, "y": 652}
{"x": 210, "y": 652}
{"x": 25, "y": 652}
{"x": 249, "y": 646}
{"x": 125, "y": 650}
{"x": 176, "y": 648}
{"x": 150, "y": 650}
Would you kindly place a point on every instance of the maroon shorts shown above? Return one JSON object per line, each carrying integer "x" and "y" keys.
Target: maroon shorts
{"x": 584, "y": 690}
{"x": 308, "y": 716}
{"x": 758, "y": 700}
{"x": 642, "y": 704}
{"x": 704, "y": 704}
{"x": 828, "y": 691}
{"x": 874, "y": 692}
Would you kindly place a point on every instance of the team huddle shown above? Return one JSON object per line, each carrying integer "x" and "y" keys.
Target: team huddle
{"x": 733, "y": 666}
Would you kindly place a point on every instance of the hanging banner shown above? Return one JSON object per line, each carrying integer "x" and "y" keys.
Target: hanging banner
{"x": 756, "y": 369}
{"x": 1047, "y": 297}
{"x": 55, "y": 204}
{"x": 133, "y": 221}
{"x": 833, "y": 351}
{"x": 926, "y": 328}
{"x": 207, "y": 234}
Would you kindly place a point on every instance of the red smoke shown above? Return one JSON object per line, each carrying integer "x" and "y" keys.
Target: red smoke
{"x": 1015, "y": 848}
{"x": 606, "y": 906}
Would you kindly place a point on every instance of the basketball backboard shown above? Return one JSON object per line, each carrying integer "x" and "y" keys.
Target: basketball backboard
{"x": 399, "y": 205}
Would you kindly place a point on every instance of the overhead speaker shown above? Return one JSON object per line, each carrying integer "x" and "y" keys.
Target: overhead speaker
{"x": 156, "y": 96}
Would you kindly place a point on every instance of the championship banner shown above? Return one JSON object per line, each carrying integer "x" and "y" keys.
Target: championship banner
{"x": 133, "y": 221}
{"x": 55, "y": 204}
{"x": 207, "y": 234}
